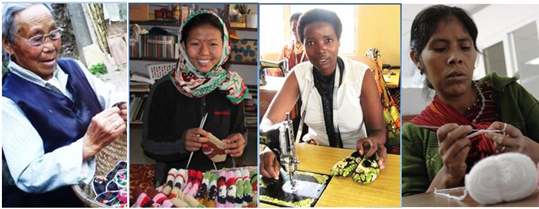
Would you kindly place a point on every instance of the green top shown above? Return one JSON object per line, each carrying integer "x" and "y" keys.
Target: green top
{"x": 421, "y": 161}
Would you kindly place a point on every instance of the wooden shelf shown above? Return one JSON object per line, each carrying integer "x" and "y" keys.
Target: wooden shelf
{"x": 154, "y": 59}
{"x": 241, "y": 62}
{"x": 157, "y": 22}
{"x": 176, "y": 24}
{"x": 137, "y": 91}
{"x": 175, "y": 60}
{"x": 243, "y": 29}
{"x": 136, "y": 124}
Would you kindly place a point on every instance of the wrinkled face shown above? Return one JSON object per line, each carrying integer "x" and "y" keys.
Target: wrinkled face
{"x": 41, "y": 59}
{"x": 448, "y": 59}
{"x": 294, "y": 28}
{"x": 204, "y": 47}
{"x": 322, "y": 46}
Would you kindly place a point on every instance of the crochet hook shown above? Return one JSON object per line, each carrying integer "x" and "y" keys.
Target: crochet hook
{"x": 477, "y": 131}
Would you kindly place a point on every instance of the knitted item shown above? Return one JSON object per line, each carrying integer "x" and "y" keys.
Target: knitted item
{"x": 167, "y": 204}
{"x": 169, "y": 184}
{"x": 190, "y": 180}
{"x": 203, "y": 191}
{"x": 212, "y": 191}
{"x": 179, "y": 184}
{"x": 196, "y": 180}
{"x": 214, "y": 149}
{"x": 192, "y": 202}
{"x": 143, "y": 200}
{"x": 156, "y": 196}
{"x": 238, "y": 201}
{"x": 179, "y": 203}
{"x": 254, "y": 180}
{"x": 247, "y": 188}
{"x": 231, "y": 189}
{"x": 221, "y": 185}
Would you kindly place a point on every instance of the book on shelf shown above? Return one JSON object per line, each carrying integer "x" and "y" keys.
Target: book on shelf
{"x": 139, "y": 87}
{"x": 136, "y": 77}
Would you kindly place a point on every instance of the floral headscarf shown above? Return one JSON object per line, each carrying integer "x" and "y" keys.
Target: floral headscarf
{"x": 195, "y": 84}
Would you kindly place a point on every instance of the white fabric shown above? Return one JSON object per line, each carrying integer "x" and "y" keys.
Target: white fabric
{"x": 32, "y": 170}
{"x": 349, "y": 111}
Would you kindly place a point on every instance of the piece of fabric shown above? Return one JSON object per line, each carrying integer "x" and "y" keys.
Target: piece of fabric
{"x": 349, "y": 110}
{"x": 438, "y": 114}
{"x": 195, "y": 84}
{"x": 420, "y": 159}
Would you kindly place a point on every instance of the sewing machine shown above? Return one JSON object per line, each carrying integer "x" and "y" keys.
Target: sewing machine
{"x": 288, "y": 157}
{"x": 283, "y": 65}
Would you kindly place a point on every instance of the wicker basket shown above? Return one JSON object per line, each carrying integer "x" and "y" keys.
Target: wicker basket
{"x": 157, "y": 71}
{"x": 106, "y": 160}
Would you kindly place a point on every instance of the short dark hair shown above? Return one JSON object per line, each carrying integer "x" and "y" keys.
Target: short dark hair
{"x": 200, "y": 20}
{"x": 426, "y": 23}
{"x": 295, "y": 16}
{"x": 319, "y": 15}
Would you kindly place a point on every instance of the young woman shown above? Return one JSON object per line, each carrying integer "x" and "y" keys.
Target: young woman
{"x": 342, "y": 105}
{"x": 199, "y": 86}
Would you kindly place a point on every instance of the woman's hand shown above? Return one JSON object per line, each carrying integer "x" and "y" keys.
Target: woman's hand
{"x": 269, "y": 165}
{"x": 453, "y": 148}
{"x": 234, "y": 144}
{"x": 123, "y": 110}
{"x": 194, "y": 138}
{"x": 105, "y": 127}
{"x": 372, "y": 147}
{"x": 512, "y": 141}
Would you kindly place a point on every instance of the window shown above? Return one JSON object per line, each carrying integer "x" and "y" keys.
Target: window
{"x": 495, "y": 59}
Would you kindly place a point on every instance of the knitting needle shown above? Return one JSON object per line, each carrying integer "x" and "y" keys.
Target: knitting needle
{"x": 198, "y": 135}
{"x": 437, "y": 127}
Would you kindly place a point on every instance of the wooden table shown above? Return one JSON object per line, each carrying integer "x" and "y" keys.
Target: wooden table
{"x": 392, "y": 77}
{"x": 345, "y": 192}
{"x": 432, "y": 200}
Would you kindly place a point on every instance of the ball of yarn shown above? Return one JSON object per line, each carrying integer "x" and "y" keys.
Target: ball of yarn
{"x": 502, "y": 178}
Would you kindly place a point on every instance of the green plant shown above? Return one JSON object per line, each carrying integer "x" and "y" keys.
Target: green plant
{"x": 242, "y": 9}
{"x": 98, "y": 69}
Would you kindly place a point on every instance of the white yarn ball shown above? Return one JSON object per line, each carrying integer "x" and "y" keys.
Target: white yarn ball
{"x": 502, "y": 178}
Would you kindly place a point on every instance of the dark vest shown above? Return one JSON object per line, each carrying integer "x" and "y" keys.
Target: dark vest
{"x": 58, "y": 120}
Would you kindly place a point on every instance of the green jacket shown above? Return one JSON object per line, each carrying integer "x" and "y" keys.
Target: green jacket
{"x": 421, "y": 161}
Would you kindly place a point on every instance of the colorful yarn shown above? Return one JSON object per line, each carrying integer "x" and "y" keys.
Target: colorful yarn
{"x": 221, "y": 185}
{"x": 231, "y": 189}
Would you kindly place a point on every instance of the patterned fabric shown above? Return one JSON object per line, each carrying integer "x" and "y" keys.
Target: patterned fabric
{"x": 111, "y": 189}
{"x": 294, "y": 52}
{"x": 195, "y": 84}
{"x": 324, "y": 85}
{"x": 438, "y": 114}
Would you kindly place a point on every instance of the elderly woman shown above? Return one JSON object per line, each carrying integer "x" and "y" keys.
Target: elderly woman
{"x": 56, "y": 115}
{"x": 173, "y": 134}
{"x": 294, "y": 50}
{"x": 438, "y": 150}
{"x": 341, "y": 104}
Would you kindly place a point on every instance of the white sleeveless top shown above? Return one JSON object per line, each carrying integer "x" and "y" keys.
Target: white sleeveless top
{"x": 349, "y": 112}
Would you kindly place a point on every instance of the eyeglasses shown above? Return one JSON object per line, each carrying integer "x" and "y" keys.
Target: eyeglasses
{"x": 39, "y": 39}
